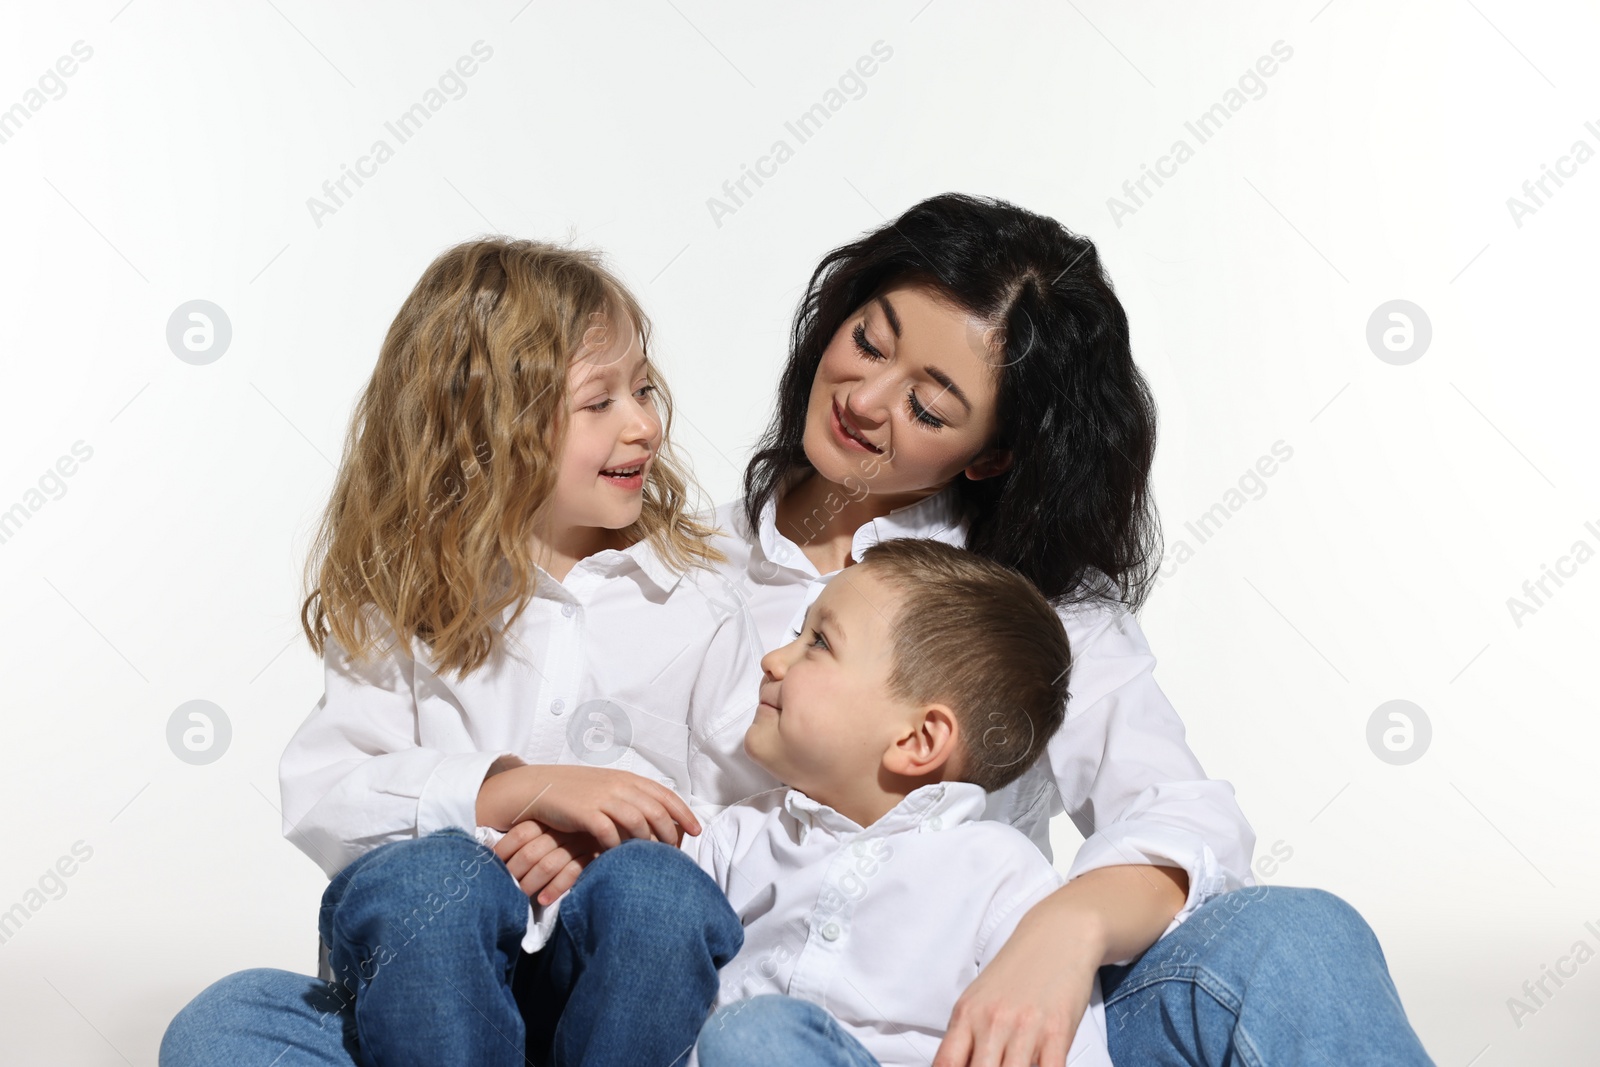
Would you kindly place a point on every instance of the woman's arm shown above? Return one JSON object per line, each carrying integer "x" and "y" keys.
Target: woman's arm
{"x": 1126, "y": 776}
{"x": 1161, "y": 838}
{"x": 1026, "y": 1004}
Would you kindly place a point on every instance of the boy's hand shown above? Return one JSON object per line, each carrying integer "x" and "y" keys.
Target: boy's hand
{"x": 543, "y": 861}
{"x": 609, "y": 805}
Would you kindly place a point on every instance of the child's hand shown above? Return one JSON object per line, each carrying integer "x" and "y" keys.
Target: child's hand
{"x": 544, "y": 861}
{"x": 610, "y": 805}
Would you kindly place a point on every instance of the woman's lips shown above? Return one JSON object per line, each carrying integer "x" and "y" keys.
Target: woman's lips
{"x": 842, "y": 436}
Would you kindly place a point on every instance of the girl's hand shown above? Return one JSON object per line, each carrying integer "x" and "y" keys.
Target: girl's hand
{"x": 543, "y": 861}
{"x": 1023, "y": 1008}
{"x": 609, "y": 805}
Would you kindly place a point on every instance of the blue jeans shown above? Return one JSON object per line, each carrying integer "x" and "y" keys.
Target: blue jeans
{"x": 1273, "y": 975}
{"x": 774, "y": 1030}
{"x": 424, "y": 943}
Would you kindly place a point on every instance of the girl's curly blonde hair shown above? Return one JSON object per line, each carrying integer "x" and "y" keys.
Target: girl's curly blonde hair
{"x": 451, "y": 455}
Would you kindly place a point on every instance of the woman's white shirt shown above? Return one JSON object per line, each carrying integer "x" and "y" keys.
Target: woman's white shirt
{"x": 1119, "y": 766}
{"x": 627, "y": 663}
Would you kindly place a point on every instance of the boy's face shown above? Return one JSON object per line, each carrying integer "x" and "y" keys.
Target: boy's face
{"x": 827, "y": 715}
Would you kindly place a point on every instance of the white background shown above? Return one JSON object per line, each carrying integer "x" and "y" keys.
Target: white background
{"x": 1376, "y": 566}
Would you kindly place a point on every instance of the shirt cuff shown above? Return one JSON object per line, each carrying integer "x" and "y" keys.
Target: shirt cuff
{"x": 541, "y": 920}
{"x": 450, "y": 795}
{"x": 1145, "y": 842}
{"x": 541, "y": 923}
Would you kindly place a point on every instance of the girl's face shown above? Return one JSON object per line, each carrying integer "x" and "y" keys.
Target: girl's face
{"x": 613, "y": 432}
{"x": 904, "y": 397}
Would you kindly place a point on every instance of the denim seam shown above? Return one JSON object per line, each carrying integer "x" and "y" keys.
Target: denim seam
{"x": 1208, "y": 983}
{"x": 1218, "y": 991}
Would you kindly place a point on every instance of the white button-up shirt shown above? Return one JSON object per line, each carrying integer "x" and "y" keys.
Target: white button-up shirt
{"x": 1119, "y": 766}
{"x": 626, "y": 663}
{"x": 886, "y": 926}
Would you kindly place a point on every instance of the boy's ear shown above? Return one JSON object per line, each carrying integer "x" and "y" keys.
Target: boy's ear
{"x": 989, "y": 463}
{"x": 927, "y": 744}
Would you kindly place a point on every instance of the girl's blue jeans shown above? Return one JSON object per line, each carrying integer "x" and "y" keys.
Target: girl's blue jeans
{"x": 425, "y": 946}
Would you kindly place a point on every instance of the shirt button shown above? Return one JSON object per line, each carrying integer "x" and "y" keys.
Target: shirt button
{"x": 567, "y": 610}
{"x": 558, "y": 706}
{"x": 831, "y": 932}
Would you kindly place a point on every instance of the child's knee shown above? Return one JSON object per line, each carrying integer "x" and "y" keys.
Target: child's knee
{"x": 445, "y": 880}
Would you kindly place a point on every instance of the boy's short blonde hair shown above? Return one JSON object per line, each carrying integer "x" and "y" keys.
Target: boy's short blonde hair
{"x": 976, "y": 635}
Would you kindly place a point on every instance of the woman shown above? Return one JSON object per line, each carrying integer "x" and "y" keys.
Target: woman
{"x": 964, "y": 373}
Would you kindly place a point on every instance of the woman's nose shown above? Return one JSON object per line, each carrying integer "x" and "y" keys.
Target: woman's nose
{"x": 869, "y": 401}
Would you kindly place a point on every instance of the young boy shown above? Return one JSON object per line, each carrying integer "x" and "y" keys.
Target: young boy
{"x": 870, "y": 889}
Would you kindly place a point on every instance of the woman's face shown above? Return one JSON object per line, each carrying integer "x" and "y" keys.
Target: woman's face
{"x": 904, "y": 398}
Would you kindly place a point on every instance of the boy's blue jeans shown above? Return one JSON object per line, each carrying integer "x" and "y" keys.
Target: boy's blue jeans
{"x": 424, "y": 942}
{"x": 427, "y": 932}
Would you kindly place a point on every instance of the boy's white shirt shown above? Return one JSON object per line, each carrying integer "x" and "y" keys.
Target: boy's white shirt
{"x": 1119, "y": 766}
{"x": 884, "y": 926}
{"x": 624, "y": 645}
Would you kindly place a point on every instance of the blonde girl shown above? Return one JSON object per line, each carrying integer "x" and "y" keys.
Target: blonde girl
{"x": 511, "y": 601}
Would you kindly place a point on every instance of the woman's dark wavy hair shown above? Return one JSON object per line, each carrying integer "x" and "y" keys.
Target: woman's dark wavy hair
{"x": 1074, "y": 512}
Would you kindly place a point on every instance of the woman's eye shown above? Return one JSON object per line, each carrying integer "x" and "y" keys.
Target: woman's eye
{"x": 921, "y": 413}
{"x": 865, "y": 346}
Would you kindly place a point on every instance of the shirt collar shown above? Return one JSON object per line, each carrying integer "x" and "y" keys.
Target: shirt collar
{"x": 926, "y": 809}
{"x": 640, "y": 556}
{"x": 936, "y": 516}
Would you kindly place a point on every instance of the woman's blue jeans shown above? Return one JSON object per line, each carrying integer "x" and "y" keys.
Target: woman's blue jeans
{"x": 425, "y": 940}
{"x": 1260, "y": 977}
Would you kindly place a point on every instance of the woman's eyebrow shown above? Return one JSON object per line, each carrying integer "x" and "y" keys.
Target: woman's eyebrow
{"x": 888, "y": 313}
{"x": 951, "y": 387}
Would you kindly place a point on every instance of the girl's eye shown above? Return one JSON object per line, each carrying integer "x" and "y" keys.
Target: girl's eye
{"x": 865, "y": 346}
{"x": 817, "y": 640}
{"x": 600, "y": 406}
{"x": 644, "y": 390}
{"x": 921, "y": 413}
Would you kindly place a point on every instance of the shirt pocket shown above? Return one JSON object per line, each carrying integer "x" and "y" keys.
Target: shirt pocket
{"x": 658, "y": 749}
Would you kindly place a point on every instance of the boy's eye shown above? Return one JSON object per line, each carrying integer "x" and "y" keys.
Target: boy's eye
{"x": 817, "y": 640}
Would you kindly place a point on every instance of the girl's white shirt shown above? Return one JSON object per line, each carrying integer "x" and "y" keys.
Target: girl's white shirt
{"x": 627, "y": 663}
{"x": 1119, "y": 766}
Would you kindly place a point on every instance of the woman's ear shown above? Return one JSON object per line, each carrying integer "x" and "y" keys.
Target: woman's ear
{"x": 989, "y": 463}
